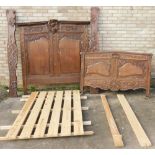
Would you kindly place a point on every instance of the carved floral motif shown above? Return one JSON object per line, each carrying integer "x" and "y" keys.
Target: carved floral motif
{"x": 53, "y": 25}
{"x": 12, "y": 52}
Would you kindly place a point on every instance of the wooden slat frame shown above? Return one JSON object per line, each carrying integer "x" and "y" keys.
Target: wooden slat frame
{"x": 43, "y": 107}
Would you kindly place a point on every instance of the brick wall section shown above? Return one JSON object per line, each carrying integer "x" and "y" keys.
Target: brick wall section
{"x": 121, "y": 28}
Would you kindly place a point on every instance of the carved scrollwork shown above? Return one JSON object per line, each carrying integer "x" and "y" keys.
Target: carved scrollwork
{"x": 140, "y": 64}
{"x": 53, "y": 26}
{"x": 12, "y": 52}
{"x": 84, "y": 41}
{"x": 72, "y": 28}
{"x": 36, "y": 36}
{"x": 11, "y": 17}
{"x": 115, "y": 85}
{"x": 94, "y": 28}
{"x": 35, "y": 29}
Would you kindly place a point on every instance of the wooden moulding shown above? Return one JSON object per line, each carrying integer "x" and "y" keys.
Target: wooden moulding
{"x": 12, "y": 52}
{"x": 94, "y": 28}
{"x": 117, "y": 137}
{"x": 135, "y": 124}
{"x": 45, "y": 22}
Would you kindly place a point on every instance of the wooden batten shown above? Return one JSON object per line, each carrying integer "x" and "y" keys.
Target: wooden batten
{"x": 135, "y": 124}
{"x": 117, "y": 137}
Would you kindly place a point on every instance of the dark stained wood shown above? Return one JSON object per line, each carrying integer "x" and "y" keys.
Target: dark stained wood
{"x": 68, "y": 57}
{"x": 116, "y": 70}
{"x": 45, "y": 22}
{"x": 38, "y": 56}
{"x": 12, "y": 52}
{"x": 51, "y": 52}
{"x": 93, "y": 90}
{"x": 94, "y": 28}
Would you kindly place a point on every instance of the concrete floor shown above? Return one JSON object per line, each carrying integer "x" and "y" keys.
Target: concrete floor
{"x": 143, "y": 107}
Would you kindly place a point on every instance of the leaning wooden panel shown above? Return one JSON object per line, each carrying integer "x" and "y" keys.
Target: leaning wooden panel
{"x": 117, "y": 137}
{"x": 66, "y": 116}
{"x": 41, "y": 126}
{"x": 135, "y": 124}
{"x": 13, "y": 132}
{"x": 29, "y": 125}
{"x": 78, "y": 121}
{"x": 54, "y": 122}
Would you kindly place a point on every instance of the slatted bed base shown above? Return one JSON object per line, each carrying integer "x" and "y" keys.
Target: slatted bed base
{"x": 49, "y": 114}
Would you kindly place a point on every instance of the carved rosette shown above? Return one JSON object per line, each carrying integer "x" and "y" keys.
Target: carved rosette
{"x": 94, "y": 43}
{"x": 12, "y": 52}
{"x": 53, "y": 26}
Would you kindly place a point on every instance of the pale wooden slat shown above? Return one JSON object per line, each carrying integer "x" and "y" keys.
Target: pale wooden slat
{"x": 135, "y": 124}
{"x": 18, "y": 111}
{"x": 42, "y": 123}
{"x": 29, "y": 125}
{"x": 54, "y": 122}
{"x": 25, "y": 96}
{"x": 78, "y": 121}
{"x": 7, "y": 127}
{"x": 117, "y": 137}
{"x": 86, "y": 133}
{"x": 23, "y": 99}
{"x": 66, "y": 117}
{"x": 12, "y": 133}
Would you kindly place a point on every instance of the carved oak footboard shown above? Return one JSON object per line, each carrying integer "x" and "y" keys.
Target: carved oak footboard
{"x": 116, "y": 70}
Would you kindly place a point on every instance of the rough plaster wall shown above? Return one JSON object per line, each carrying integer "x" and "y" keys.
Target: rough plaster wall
{"x": 120, "y": 28}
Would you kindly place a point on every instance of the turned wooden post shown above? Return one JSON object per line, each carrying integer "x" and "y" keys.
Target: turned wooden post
{"x": 12, "y": 52}
{"x": 94, "y": 28}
